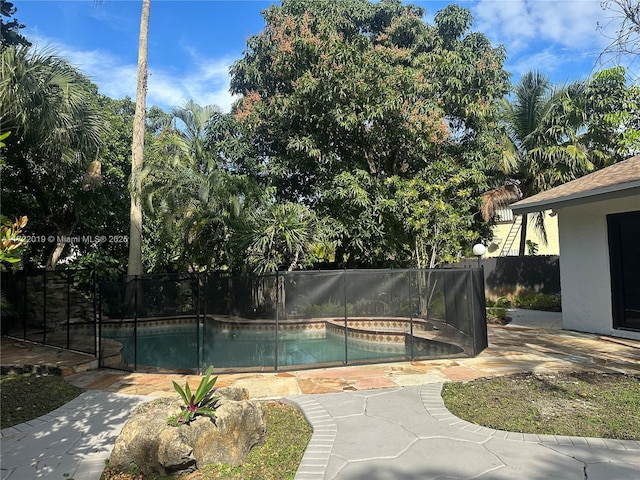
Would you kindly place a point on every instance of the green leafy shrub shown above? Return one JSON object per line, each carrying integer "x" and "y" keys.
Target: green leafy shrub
{"x": 496, "y": 314}
{"x": 11, "y": 244}
{"x": 551, "y": 302}
{"x": 502, "y": 302}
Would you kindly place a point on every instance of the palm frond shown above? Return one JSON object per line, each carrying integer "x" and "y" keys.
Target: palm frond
{"x": 498, "y": 197}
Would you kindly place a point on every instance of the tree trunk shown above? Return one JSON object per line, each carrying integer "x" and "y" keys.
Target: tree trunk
{"x": 137, "y": 148}
{"x": 523, "y": 235}
{"x": 61, "y": 235}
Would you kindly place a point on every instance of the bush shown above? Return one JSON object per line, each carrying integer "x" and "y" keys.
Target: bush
{"x": 551, "y": 302}
{"x": 328, "y": 309}
{"x": 540, "y": 301}
{"x": 502, "y": 302}
{"x": 497, "y": 316}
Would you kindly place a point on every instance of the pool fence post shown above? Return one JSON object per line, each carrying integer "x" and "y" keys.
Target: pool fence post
{"x": 99, "y": 320}
{"x": 44, "y": 307}
{"x": 203, "y": 299}
{"x": 68, "y": 306}
{"x": 93, "y": 323}
{"x": 277, "y": 319}
{"x": 411, "y": 340}
{"x": 198, "y": 361}
{"x": 346, "y": 346}
{"x": 135, "y": 323}
{"x": 471, "y": 306}
{"x": 24, "y": 312}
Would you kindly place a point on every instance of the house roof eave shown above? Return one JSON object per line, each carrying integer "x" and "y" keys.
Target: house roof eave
{"x": 610, "y": 192}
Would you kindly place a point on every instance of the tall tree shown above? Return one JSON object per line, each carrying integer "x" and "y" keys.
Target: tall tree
{"x": 188, "y": 190}
{"x": 56, "y": 130}
{"x": 557, "y": 134}
{"x": 611, "y": 106}
{"x": 109, "y": 201}
{"x": 278, "y": 235}
{"x": 137, "y": 147}
{"x": 345, "y": 97}
{"x": 10, "y": 31}
{"x": 540, "y": 142}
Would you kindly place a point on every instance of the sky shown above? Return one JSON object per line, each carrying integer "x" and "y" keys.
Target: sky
{"x": 192, "y": 43}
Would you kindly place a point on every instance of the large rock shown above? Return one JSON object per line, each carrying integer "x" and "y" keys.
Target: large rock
{"x": 158, "y": 448}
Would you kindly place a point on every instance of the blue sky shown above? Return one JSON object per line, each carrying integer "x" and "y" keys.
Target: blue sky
{"x": 193, "y": 43}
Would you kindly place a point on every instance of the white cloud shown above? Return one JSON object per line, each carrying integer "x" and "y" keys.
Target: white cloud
{"x": 506, "y": 21}
{"x": 570, "y": 23}
{"x": 560, "y": 64}
{"x": 562, "y": 39}
{"x": 204, "y": 81}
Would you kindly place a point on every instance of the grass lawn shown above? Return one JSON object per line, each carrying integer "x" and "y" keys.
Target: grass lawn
{"x": 575, "y": 404}
{"x": 28, "y": 396}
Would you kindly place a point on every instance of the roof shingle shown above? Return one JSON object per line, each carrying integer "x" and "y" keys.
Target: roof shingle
{"x": 619, "y": 179}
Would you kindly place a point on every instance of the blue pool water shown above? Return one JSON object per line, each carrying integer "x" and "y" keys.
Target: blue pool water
{"x": 183, "y": 347}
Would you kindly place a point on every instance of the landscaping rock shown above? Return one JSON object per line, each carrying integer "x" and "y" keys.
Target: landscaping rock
{"x": 158, "y": 448}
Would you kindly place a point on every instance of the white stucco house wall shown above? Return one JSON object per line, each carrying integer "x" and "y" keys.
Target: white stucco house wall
{"x": 599, "y": 238}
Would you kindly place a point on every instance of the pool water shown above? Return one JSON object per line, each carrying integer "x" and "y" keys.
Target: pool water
{"x": 244, "y": 349}
{"x": 183, "y": 347}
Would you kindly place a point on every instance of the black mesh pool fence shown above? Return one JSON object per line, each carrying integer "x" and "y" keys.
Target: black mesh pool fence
{"x": 56, "y": 308}
{"x": 286, "y": 320}
{"x": 292, "y": 319}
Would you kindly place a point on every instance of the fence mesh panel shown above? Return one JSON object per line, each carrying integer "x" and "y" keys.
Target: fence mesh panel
{"x": 13, "y": 316}
{"x": 260, "y": 323}
{"x": 54, "y": 308}
{"x": 239, "y": 324}
{"x": 154, "y": 319}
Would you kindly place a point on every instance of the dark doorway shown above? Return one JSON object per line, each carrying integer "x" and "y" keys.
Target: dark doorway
{"x": 624, "y": 256}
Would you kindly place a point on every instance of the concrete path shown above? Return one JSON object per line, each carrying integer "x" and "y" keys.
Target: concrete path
{"x": 70, "y": 443}
{"x": 407, "y": 434}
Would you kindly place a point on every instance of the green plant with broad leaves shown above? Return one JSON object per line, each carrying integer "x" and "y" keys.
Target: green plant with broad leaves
{"x": 202, "y": 402}
{"x": 11, "y": 244}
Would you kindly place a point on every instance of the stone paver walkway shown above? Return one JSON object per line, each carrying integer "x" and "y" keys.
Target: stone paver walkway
{"x": 407, "y": 433}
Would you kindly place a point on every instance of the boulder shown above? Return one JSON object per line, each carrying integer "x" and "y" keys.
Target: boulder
{"x": 156, "y": 447}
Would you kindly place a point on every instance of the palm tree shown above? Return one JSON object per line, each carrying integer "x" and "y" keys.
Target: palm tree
{"x": 137, "y": 147}
{"x": 543, "y": 146}
{"x": 279, "y": 235}
{"x": 185, "y": 187}
{"x": 56, "y": 134}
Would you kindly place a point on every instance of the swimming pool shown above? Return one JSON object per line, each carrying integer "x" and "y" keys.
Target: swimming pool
{"x": 258, "y": 345}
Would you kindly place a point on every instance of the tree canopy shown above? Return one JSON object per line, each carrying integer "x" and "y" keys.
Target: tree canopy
{"x": 362, "y": 136}
{"x": 10, "y": 31}
{"x": 57, "y": 132}
{"x": 625, "y": 15}
{"x": 554, "y": 134}
{"x": 359, "y": 97}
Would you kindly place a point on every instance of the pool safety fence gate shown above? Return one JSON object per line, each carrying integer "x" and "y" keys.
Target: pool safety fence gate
{"x": 290, "y": 320}
{"x": 56, "y": 308}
